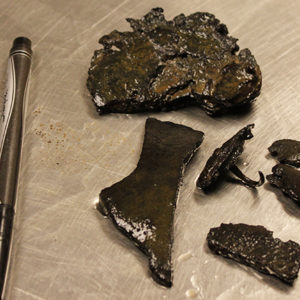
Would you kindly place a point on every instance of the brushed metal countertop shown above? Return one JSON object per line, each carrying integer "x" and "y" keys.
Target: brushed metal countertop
{"x": 63, "y": 248}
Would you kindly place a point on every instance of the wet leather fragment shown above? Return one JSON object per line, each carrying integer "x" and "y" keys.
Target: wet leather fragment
{"x": 224, "y": 159}
{"x": 287, "y": 179}
{"x": 255, "y": 246}
{"x": 164, "y": 65}
{"x": 286, "y": 151}
{"x": 142, "y": 205}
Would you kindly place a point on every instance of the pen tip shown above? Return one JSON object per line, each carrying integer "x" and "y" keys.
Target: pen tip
{"x": 22, "y": 41}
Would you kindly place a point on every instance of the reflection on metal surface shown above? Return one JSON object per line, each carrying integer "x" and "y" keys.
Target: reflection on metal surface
{"x": 66, "y": 250}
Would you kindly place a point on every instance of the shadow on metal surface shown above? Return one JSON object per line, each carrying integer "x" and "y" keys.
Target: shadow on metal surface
{"x": 267, "y": 279}
{"x": 290, "y": 206}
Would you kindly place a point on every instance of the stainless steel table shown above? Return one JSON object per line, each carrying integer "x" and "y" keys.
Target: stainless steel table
{"x": 63, "y": 248}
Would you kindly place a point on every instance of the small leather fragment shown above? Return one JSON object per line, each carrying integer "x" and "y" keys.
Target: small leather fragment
{"x": 255, "y": 246}
{"x": 142, "y": 205}
{"x": 286, "y": 151}
{"x": 224, "y": 159}
{"x": 287, "y": 179}
{"x": 165, "y": 65}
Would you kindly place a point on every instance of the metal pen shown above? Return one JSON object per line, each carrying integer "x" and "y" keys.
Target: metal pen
{"x": 11, "y": 132}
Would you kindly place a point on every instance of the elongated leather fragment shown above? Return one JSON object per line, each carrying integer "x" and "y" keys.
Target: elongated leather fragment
{"x": 256, "y": 247}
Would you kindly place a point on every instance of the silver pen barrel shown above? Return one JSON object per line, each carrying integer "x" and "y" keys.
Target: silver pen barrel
{"x": 11, "y": 130}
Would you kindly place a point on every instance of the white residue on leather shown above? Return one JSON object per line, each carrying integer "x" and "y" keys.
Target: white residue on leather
{"x": 139, "y": 230}
{"x": 270, "y": 271}
{"x": 98, "y": 100}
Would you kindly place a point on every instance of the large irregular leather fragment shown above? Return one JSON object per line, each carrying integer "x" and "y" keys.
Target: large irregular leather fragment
{"x": 142, "y": 205}
{"x": 255, "y": 246}
{"x": 287, "y": 179}
{"x": 224, "y": 159}
{"x": 286, "y": 151}
{"x": 164, "y": 65}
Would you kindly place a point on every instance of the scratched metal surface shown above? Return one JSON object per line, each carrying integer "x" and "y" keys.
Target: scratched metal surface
{"x": 64, "y": 249}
